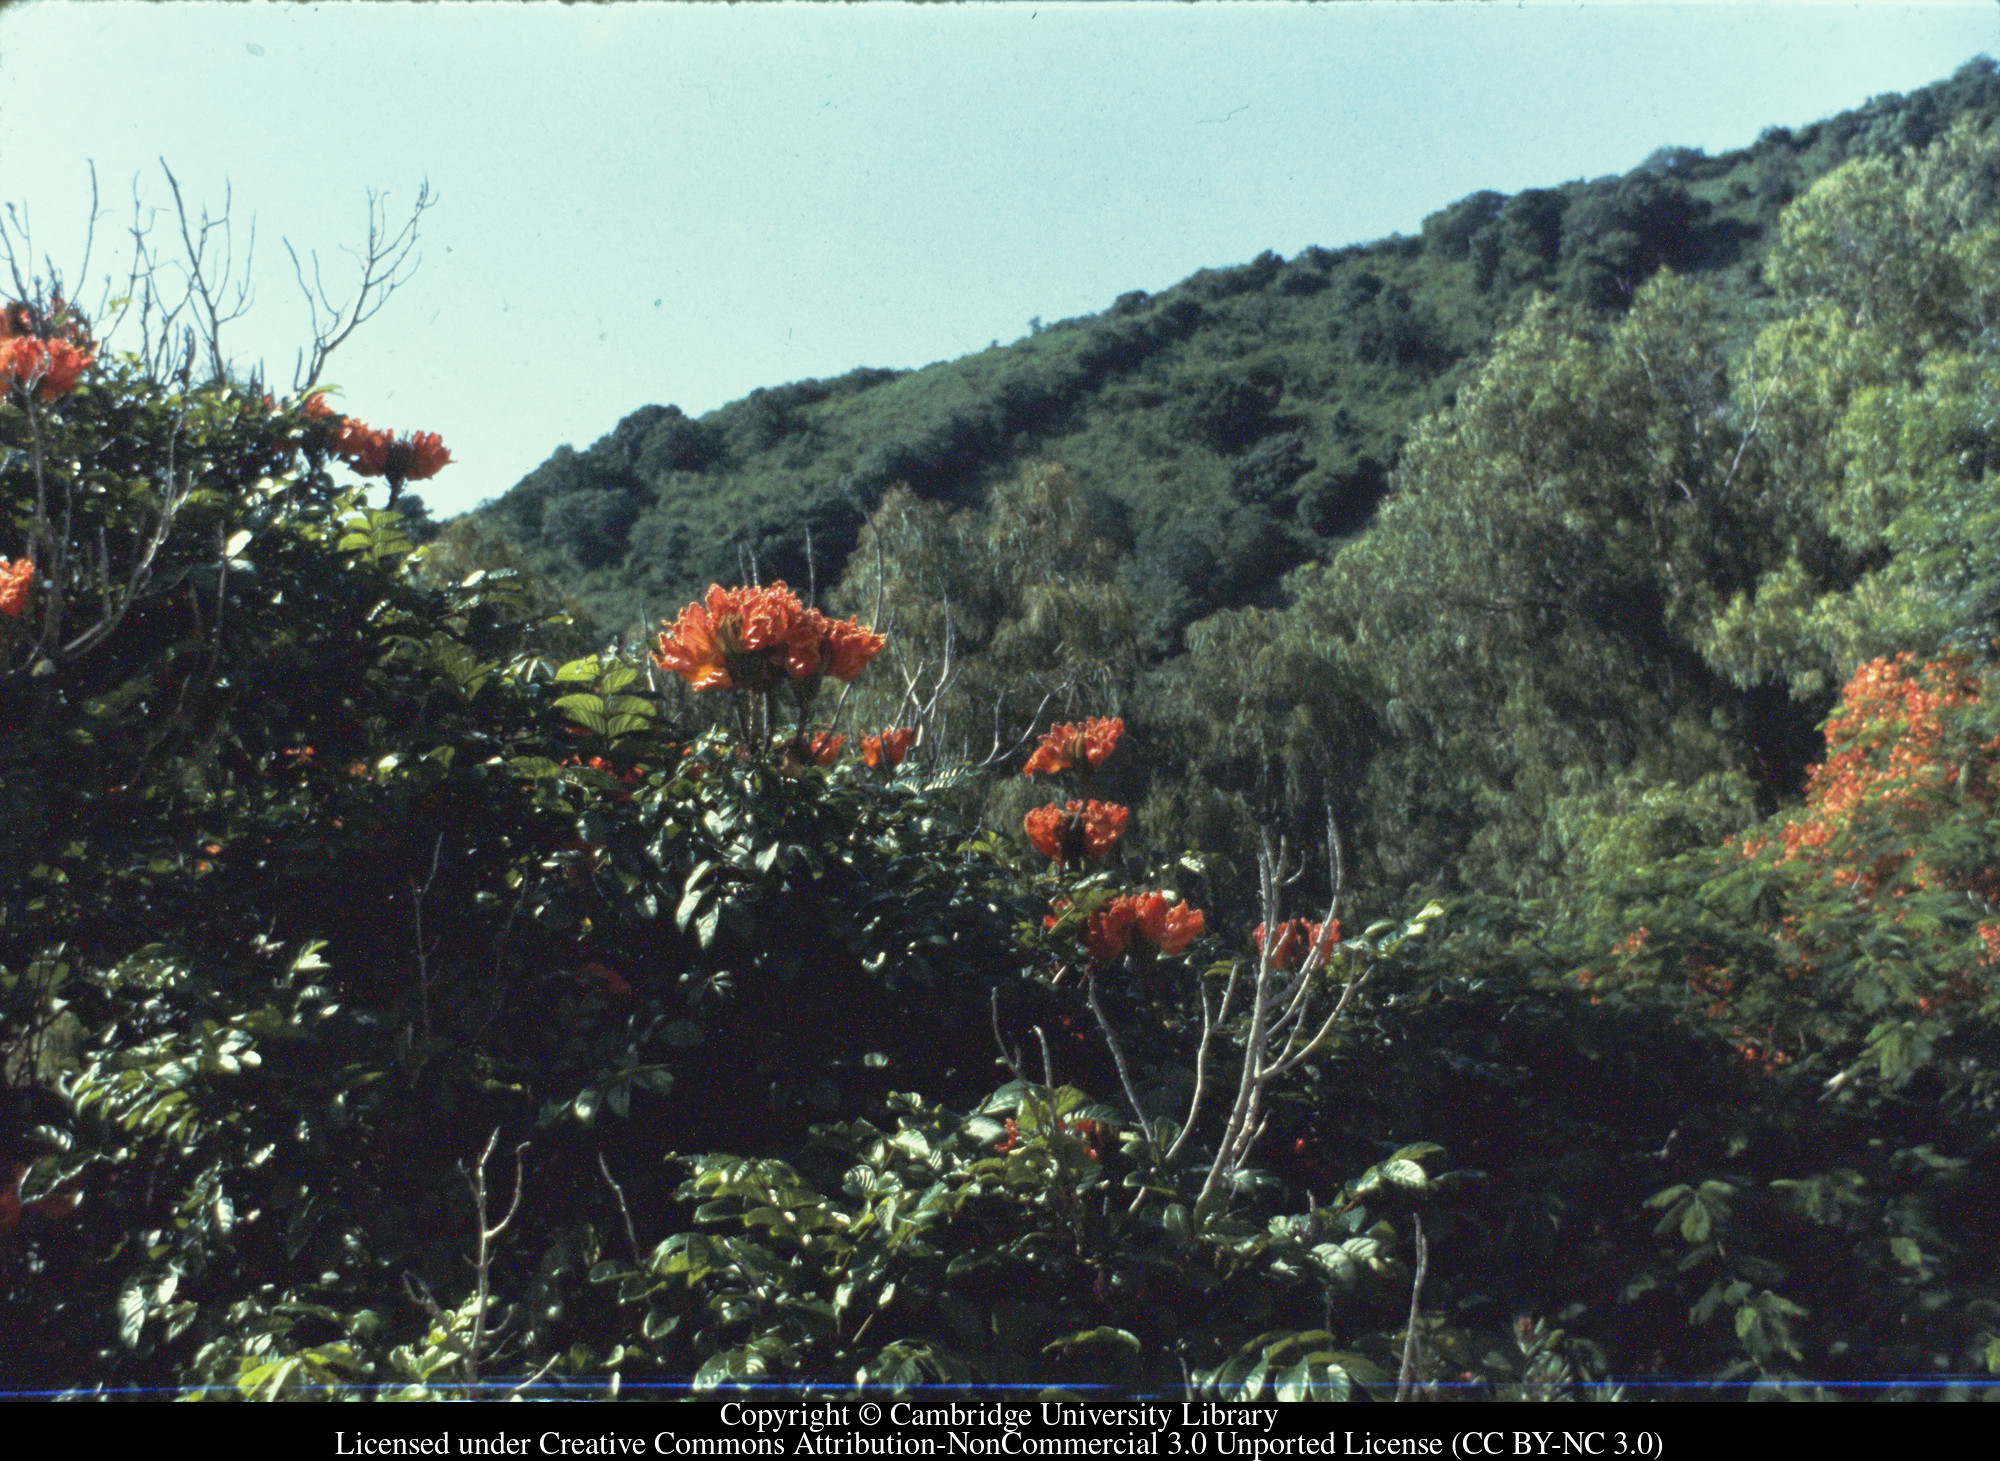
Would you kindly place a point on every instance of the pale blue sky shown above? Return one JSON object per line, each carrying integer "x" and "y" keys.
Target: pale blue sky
{"x": 676, "y": 203}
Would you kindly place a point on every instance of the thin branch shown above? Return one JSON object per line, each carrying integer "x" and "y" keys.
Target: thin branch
{"x": 631, "y": 1233}
{"x": 1117, "y": 1057}
{"x": 1416, "y": 1298}
{"x": 382, "y": 266}
{"x": 1011, "y": 1059}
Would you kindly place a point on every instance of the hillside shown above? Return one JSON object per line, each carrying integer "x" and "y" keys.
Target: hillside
{"x": 1231, "y": 427}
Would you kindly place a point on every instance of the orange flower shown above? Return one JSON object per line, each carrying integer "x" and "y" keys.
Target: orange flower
{"x": 48, "y": 367}
{"x": 315, "y": 407}
{"x": 738, "y": 638}
{"x": 888, "y": 749}
{"x": 15, "y": 578}
{"x": 1296, "y": 939}
{"x": 1066, "y": 747}
{"x": 834, "y": 647}
{"x": 1168, "y": 927}
{"x": 379, "y": 453}
{"x": 365, "y": 448}
{"x": 1107, "y": 933}
{"x": 823, "y": 747}
{"x": 1069, "y": 834}
{"x": 416, "y": 458}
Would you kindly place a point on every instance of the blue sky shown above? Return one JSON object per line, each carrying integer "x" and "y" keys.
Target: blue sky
{"x": 677, "y": 203}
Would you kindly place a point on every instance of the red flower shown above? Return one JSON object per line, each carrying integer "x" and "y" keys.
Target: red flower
{"x": 15, "y": 578}
{"x": 43, "y": 354}
{"x": 833, "y": 647}
{"x": 1107, "y": 933}
{"x": 364, "y": 448}
{"x": 1066, "y": 747}
{"x": 49, "y": 368}
{"x": 315, "y": 407}
{"x": 1168, "y": 927}
{"x": 379, "y": 453}
{"x": 823, "y": 747}
{"x": 614, "y": 983}
{"x": 1297, "y": 938}
{"x": 888, "y": 749}
{"x": 1069, "y": 834}
{"x": 738, "y": 638}
{"x": 417, "y": 458}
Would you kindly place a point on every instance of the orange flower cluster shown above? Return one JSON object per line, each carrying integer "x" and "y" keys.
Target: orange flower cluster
{"x": 1067, "y": 747}
{"x": 372, "y": 451}
{"x": 756, "y": 638}
{"x": 823, "y": 746}
{"x": 1296, "y": 939}
{"x": 1894, "y": 825}
{"x": 1080, "y": 830}
{"x": 1882, "y": 751}
{"x": 888, "y": 749}
{"x": 630, "y": 776}
{"x": 1168, "y": 925}
{"x": 1093, "y": 1135}
{"x": 16, "y": 577}
{"x": 39, "y": 357}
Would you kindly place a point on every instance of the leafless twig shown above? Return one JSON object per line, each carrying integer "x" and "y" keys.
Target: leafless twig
{"x": 1416, "y": 1299}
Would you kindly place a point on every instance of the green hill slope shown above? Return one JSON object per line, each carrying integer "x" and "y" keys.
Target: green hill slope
{"x": 1235, "y": 425}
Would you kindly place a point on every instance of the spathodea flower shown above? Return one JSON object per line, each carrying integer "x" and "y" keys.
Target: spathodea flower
{"x": 16, "y": 578}
{"x": 362, "y": 446}
{"x": 416, "y": 458}
{"x": 1069, "y": 834}
{"x": 738, "y": 639}
{"x": 888, "y": 749}
{"x": 1296, "y": 938}
{"x": 377, "y": 453}
{"x": 823, "y": 747}
{"x": 47, "y": 368}
{"x": 1107, "y": 933}
{"x": 825, "y": 646}
{"x": 42, "y": 354}
{"x": 1166, "y": 923}
{"x": 1169, "y": 926}
{"x": 756, "y": 638}
{"x": 1066, "y": 747}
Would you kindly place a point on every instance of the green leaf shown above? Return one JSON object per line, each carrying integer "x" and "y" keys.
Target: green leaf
{"x": 131, "y": 1310}
{"x": 1102, "y": 1334}
{"x": 584, "y": 710}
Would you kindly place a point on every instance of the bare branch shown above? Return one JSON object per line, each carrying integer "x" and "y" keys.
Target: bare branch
{"x": 631, "y": 1233}
{"x": 385, "y": 265}
{"x": 1416, "y": 1298}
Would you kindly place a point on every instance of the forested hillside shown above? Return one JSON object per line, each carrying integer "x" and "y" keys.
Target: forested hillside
{"x": 1418, "y": 821}
{"x": 1229, "y": 428}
